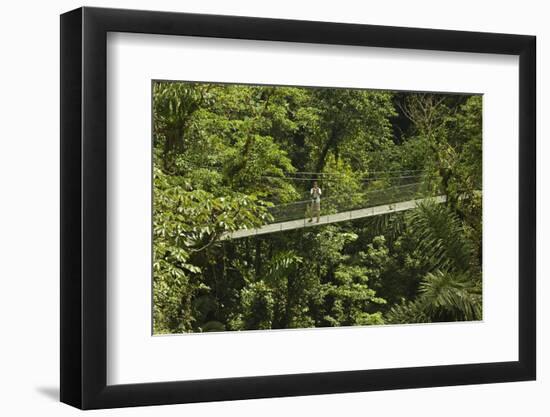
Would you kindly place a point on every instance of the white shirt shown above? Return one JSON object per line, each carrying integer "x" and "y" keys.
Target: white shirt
{"x": 315, "y": 194}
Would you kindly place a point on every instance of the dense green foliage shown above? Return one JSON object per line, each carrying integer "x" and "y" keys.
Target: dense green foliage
{"x": 225, "y": 154}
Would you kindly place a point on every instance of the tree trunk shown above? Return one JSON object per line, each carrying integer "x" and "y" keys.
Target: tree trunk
{"x": 330, "y": 143}
{"x": 258, "y": 260}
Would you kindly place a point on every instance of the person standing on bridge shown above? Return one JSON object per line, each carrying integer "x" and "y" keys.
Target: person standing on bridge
{"x": 315, "y": 193}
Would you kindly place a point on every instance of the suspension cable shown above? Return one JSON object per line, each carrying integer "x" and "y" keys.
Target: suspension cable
{"x": 354, "y": 194}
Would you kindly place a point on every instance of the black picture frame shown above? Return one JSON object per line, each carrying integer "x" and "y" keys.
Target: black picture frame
{"x": 84, "y": 207}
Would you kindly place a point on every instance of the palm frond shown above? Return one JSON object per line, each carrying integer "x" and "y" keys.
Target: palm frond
{"x": 441, "y": 237}
{"x": 450, "y": 296}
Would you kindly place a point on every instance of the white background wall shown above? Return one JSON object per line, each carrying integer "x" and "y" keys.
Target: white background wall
{"x": 29, "y": 225}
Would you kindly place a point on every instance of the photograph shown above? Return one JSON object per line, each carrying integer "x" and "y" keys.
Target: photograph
{"x": 261, "y": 209}
{"x": 292, "y": 207}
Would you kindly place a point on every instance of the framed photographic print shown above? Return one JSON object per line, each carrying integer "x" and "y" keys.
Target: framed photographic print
{"x": 257, "y": 207}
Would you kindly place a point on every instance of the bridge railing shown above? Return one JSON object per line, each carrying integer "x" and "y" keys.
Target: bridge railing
{"x": 340, "y": 203}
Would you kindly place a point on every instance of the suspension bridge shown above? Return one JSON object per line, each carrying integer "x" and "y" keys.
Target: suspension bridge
{"x": 407, "y": 192}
